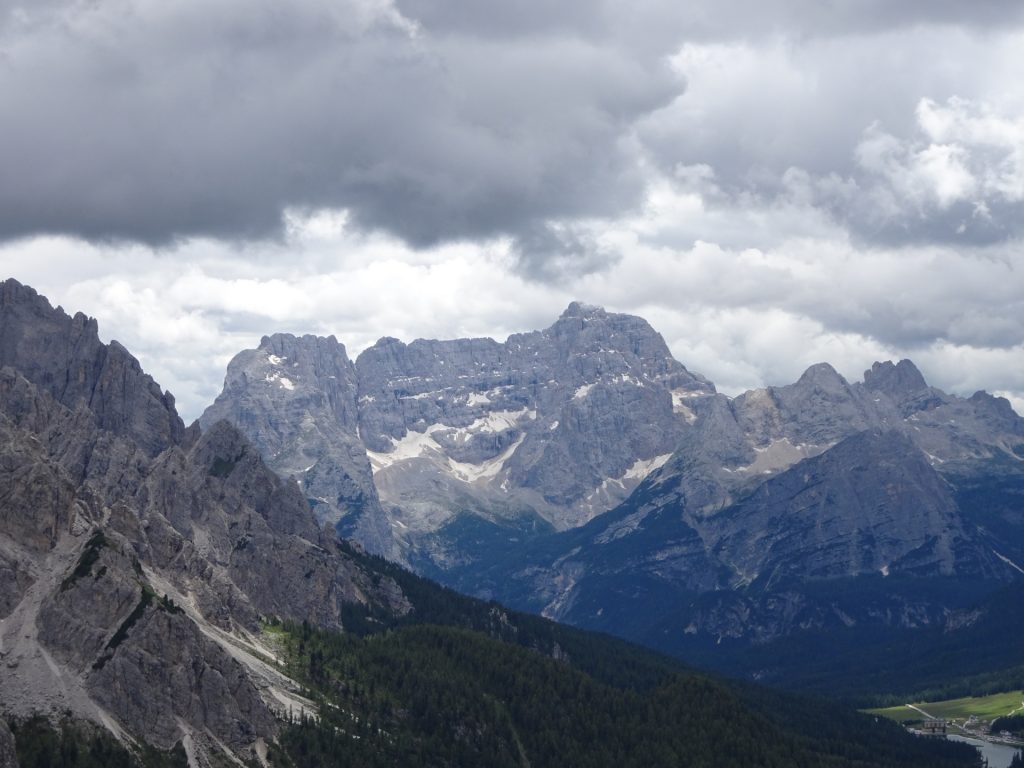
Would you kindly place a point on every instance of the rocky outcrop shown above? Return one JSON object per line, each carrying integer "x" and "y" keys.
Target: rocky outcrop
{"x": 142, "y": 659}
{"x": 562, "y": 419}
{"x": 138, "y": 558}
{"x": 735, "y": 445}
{"x": 36, "y": 498}
{"x": 171, "y": 673}
{"x": 64, "y": 357}
{"x": 295, "y": 399}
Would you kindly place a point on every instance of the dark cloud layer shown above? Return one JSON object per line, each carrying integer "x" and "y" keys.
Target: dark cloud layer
{"x": 844, "y": 17}
{"x": 657, "y": 21}
{"x": 439, "y": 120}
{"x": 152, "y": 121}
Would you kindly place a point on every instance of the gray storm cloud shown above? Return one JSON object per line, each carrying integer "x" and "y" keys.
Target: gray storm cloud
{"x": 152, "y": 121}
{"x": 435, "y": 121}
{"x": 651, "y": 24}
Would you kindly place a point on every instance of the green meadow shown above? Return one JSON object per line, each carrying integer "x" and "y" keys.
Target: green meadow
{"x": 982, "y": 707}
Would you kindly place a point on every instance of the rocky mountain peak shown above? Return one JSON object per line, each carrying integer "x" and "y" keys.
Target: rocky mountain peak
{"x": 895, "y": 380}
{"x": 903, "y": 385}
{"x": 816, "y": 411}
{"x": 385, "y": 343}
{"x": 284, "y": 344}
{"x": 823, "y": 376}
{"x": 546, "y": 429}
{"x": 232, "y": 462}
{"x": 65, "y": 358}
{"x": 287, "y": 367}
{"x": 997, "y": 411}
{"x": 22, "y": 301}
{"x": 596, "y": 342}
{"x": 295, "y": 398}
{"x": 319, "y": 356}
{"x": 220, "y": 448}
{"x": 584, "y": 323}
{"x": 582, "y": 309}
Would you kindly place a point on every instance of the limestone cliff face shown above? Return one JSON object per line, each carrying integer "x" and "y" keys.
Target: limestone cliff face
{"x": 295, "y": 399}
{"x": 739, "y": 443}
{"x": 64, "y": 357}
{"x": 561, "y": 423}
{"x": 138, "y": 557}
{"x": 543, "y": 431}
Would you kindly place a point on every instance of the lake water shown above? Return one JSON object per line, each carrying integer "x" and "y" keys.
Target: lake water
{"x": 998, "y": 755}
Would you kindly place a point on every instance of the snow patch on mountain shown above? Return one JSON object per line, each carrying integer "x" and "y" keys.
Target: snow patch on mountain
{"x": 416, "y": 445}
{"x": 680, "y": 406}
{"x": 281, "y": 380}
{"x": 413, "y": 446}
{"x": 641, "y": 468}
{"x": 778, "y": 455}
{"x": 582, "y": 392}
{"x": 485, "y": 470}
{"x": 497, "y": 421}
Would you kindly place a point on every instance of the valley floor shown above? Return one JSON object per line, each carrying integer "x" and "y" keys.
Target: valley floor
{"x": 969, "y": 717}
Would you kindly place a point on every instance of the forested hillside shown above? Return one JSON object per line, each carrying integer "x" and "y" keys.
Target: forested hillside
{"x": 463, "y": 683}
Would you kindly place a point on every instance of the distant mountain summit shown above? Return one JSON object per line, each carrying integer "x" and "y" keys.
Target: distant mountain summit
{"x": 582, "y": 472}
{"x": 541, "y": 432}
{"x": 65, "y": 359}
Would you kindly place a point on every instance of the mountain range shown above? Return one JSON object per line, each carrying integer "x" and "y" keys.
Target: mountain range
{"x": 166, "y": 599}
{"x": 583, "y": 473}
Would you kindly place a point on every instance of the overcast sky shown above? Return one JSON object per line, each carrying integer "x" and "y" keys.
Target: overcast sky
{"x": 771, "y": 183}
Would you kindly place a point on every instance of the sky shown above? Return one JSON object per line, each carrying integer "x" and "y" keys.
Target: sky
{"x": 770, "y": 183}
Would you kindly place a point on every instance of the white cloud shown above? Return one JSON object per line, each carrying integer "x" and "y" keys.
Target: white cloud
{"x": 979, "y": 130}
{"x": 875, "y": 130}
{"x": 962, "y": 152}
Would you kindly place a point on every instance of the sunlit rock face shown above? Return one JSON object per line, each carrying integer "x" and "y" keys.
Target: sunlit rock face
{"x": 541, "y": 432}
